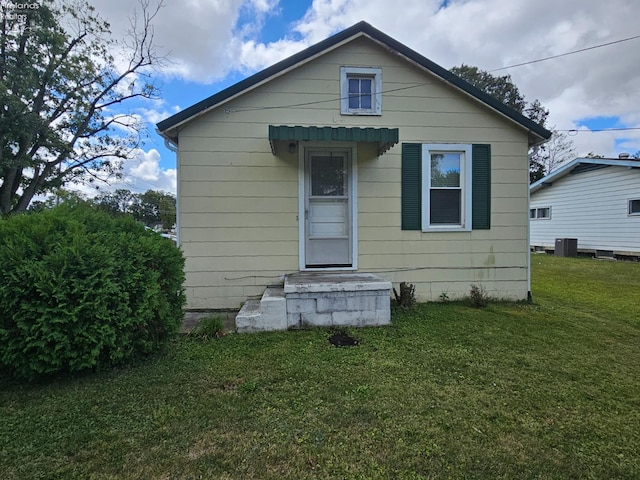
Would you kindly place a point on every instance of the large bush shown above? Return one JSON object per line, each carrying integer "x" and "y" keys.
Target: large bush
{"x": 82, "y": 290}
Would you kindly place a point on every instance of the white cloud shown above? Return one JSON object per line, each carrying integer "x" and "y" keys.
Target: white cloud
{"x": 493, "y": 34}
{"x": 202, "y": 39}
{"x": 206, "y": 43}
{"x": 154, "y": 115}
{"x": 256, "y": 55}
{"x": 144, "y": 173}
{"x": 139, "y": 174}
{"x": 263, "y": 6}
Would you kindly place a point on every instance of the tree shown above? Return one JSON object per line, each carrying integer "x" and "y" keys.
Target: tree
{"x": 151, "y": 207}
{"x": 537, "y": 112}
{"x": 542, "y": 158}
{"x": 59, "y": 86}
{"x": 120, "y": 202}
{"x": 59, "y": 196}
{"x": 501, "y": 88}
{"x": 558, "y": 150}
{"x": 156, "y": 207}
{"x": 537, "y": 160}
{"x": 168, "y": 211}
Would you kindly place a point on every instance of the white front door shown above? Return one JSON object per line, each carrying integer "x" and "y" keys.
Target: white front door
{"x": 328, "y": 214}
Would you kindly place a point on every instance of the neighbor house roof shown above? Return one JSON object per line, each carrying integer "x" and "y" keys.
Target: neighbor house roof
{"x": 580, "y": 165}
{"x": 168, "y": 127}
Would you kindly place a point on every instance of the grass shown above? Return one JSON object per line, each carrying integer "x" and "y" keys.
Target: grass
{"x": 548, "y": 390}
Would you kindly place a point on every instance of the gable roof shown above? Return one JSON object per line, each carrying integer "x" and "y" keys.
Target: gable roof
{"x": 167, "y": 127}
{"x": 581, "y": 165}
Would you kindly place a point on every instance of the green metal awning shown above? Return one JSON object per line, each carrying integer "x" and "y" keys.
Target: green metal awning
{"x": 384, "y": 137}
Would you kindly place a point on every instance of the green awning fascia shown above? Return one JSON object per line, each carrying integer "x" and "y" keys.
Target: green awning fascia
{"x": 384, "y": 137}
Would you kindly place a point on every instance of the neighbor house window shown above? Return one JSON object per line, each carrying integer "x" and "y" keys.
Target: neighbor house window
{"x": 446, "y": 191}
{"x": 540, "y": 213}
{"x": 360, "y": 91}
{"x": 634, "y": 206}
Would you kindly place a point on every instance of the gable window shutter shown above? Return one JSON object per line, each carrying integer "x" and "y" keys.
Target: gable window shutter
{"x": 481, "y": 187}
{"x": 411, "y": 186}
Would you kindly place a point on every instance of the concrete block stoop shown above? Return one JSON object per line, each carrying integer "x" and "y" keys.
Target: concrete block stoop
{"x": 324, "y": 299}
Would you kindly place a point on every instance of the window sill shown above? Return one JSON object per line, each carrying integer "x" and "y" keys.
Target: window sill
{"x": 446, "y": 229}
{"x": 363, "y": 113}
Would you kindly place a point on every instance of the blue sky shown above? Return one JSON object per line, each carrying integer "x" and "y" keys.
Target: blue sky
{"x": 211, "y": 44}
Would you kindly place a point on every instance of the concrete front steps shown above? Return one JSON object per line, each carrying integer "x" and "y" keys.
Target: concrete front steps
{"x": 319, "y": 299}
{"x": 268, "y": 313}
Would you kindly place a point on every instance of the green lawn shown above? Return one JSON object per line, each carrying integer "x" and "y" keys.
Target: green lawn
{"x": 549, "y": 390}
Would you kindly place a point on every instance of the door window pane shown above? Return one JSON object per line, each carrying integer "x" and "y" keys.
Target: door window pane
{"x": 328, "y": 176}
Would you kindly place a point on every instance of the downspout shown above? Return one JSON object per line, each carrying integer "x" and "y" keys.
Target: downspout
{"x": 174, "y": 148}
{"x": 529, "y": 294}
{"x": 535, "y": 147}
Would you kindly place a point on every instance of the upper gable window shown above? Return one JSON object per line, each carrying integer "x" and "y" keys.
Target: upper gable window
{"x": 360, "y": 91}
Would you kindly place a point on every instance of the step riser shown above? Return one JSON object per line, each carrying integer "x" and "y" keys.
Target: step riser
{"x": 269, "y": 313}
{"x": 248, "y": 319}
{"x": 356, "y": 309}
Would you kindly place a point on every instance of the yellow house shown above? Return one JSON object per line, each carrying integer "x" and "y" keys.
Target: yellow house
{"x": 355, "y": 156}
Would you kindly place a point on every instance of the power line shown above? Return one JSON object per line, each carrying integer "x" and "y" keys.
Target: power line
{"x": 565, "y": 54}
{"x": 316, "y": 102}
{"x": 385, "y": 92}
{"x": 575, "y": 131}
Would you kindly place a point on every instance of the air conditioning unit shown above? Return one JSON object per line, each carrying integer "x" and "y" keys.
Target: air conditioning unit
{"x": 566, "y": 247}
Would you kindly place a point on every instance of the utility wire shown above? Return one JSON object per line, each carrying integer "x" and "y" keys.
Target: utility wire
{"x": 565, "y": 54}
{"x": 316, "y": 102}
{"x": 573, "y": 52}
{"x": 575, "y": 131}
{"x": 385, "y": 92}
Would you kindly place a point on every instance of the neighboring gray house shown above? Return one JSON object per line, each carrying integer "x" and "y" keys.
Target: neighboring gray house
{"x": 595, "y": 200}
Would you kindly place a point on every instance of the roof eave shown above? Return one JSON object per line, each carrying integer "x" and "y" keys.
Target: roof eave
{"x": 257, "y": 79}
{"x": 537, "y": 133}
{"x": 568, "y": 167}
{"x": 169, "y": 127}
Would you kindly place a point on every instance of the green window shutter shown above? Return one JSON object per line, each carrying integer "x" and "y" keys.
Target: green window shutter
{"x": 411, "y": 186}
{"x": 481, "y": 194}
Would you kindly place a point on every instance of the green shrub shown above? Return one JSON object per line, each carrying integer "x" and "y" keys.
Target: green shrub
{"x": 82, "y": 290}
{"x": 211, "y": 326}
{"x": 478, "y": 296}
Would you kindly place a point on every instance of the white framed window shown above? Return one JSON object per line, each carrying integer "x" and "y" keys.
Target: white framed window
{"x": 446, "y": 187}
{"x": 540, "y": 213}
{"x": 634, "y": 206}
{"x": 360, "y": 91}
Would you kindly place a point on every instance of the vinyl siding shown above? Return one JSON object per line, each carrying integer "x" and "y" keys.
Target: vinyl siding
{"x": 592, "y": 207}
{"x": 239, "y": 203}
